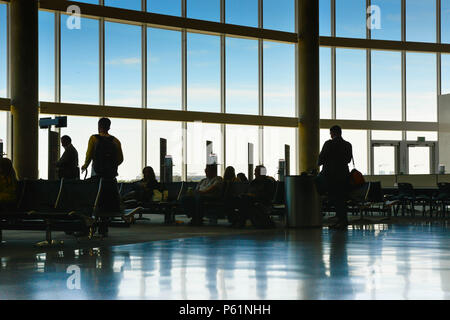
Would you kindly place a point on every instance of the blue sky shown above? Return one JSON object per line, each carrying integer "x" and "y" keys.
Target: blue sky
{"x": 80, "y": 60}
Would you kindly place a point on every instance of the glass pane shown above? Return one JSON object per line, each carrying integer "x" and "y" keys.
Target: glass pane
{"x": 389, "y": 25}
{"x": 197, "y": 135}
{"x": 237, "y": 140}
{"x": 46, "y": 56}
{"x": 279, "y": 15}
{"x": 325, "y": 83}
{"x": 386, "y": 135}
{"x": 351, "y": 84}
{"x": 124, "y": 4}
{"x": 324, "y": 136}
{"x": 417, "y": 12}
{"x": 80, "y": 129}
{"x": 172, "y": 132}
{"x": 386, "y": 86}
{"x": 428, "y": 135}
{"x": 279, "y": 79}
{"x": 3, "y": 131}
{"x": 80, "y": 62}
{"x": 43, "y": 153}
{"x": 3, "y": 57}
{"x": 384, "y": 160}
{"x": 203, "y": 73}
{"x": 275, "y": 139}
{"x": 129, "y": 133}
{"x": 122, "y": 65}
{"x": 203, "y": 9}
{"x": 241, "y": 76}
{"x": 445, "y": 19}
{"x": 445, "y": 65}
{"x": 170, "y": 7}
{"x": 351, "y": 18}
{"x": 242, "y": 12}
{"x": 325, "y": 17}
{"x": 164, "y": 69}
{"x": 421, "y": 90}
{"x": 358, "y": 139}
{"x": 419, "y": 160}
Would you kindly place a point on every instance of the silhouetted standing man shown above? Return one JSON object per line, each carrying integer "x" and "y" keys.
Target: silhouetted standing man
{"x": 68, "y": 163}
{"x": 335, "y": 156}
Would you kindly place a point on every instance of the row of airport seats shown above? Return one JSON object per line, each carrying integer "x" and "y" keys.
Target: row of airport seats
{"x": 72, "y": 206}
{"x": 213, "y": 210}
{"x": 405, "y": 194}
{"x": 416, "y": 180}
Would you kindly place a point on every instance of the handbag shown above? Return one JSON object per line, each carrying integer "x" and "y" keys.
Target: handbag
{"x": 356, "y": 177}
{"x": 157, "y": 196}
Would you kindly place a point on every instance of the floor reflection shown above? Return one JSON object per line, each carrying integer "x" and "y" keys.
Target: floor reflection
{"x": 366, "y": 262}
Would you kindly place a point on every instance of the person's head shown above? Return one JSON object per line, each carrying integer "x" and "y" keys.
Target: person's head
{"x": 260, "y": 171}
{"x": 335, "y": 131}
{"x": 7, "y": 169}
{"x": 149, "y": 174}
{"x": 229, "y": 174}
{"x": 211, "y": 171}
{"x": 104, "y": 124}
{"x": 66, "y": 141}
{"x": 241, "y": 177}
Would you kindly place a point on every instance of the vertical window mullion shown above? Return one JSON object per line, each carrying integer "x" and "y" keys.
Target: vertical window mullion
{"x": 184, "y": 91}
{"x": 223, "y": 84}
{"x": 144, "y": 48}
{"x": 260, "y": 83}
{"x": 102, "y": 58}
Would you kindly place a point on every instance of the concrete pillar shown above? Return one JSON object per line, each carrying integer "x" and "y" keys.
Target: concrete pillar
{"x": 25, "y": 87}
{"x": 308, "y": 94}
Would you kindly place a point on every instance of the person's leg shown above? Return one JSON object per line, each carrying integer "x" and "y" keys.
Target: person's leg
{"x": 188, "y": 203}
{"x": 337, "y": 194}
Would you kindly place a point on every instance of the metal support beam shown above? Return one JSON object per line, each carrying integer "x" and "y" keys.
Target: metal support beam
{"x": 308, "y": 93}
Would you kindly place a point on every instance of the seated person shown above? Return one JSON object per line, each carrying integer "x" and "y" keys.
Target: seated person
{"x": 207, "y": 189}
{"x": 229, "y": 175}
{"x": 241, "y": 177}
{"x": 144, "y": 189}
{"x": 8, "y": 184}
{"x": 260, "y": 191}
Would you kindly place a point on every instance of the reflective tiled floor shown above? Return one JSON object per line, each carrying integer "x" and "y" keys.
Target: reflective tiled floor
{"x": 371, "y": 262}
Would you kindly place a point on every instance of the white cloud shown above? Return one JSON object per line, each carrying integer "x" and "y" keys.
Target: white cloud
{"x": 124, "y": 61}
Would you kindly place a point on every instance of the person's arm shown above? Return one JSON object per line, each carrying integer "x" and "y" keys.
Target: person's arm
{"x": 89, "y": 153}
{"x": 213, "y": 187}
{"x": 350, "y": 153}
{"x": 120, "y": 153}
{"x": 63, "y": 160}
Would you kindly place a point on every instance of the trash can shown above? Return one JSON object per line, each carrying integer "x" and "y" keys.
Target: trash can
{"x": 302, "y": 202}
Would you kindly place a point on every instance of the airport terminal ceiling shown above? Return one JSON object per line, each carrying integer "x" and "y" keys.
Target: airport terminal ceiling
{"x": 381, "y": 72}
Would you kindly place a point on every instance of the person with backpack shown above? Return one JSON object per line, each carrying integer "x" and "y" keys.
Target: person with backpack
{"x": 105, "y": 151}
